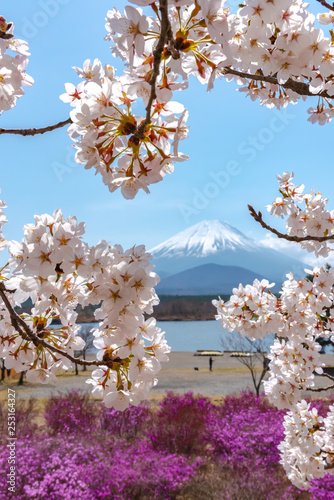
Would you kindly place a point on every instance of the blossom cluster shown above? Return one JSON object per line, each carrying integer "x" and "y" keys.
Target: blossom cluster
{"x": 130, "y": 151}
{"x": 280, "y": 39}
{"x": 273, "y": 50}
{"x": 276, "y": 43}
{"x": 251, "y": 310}
{"x": 299, "y": 317}
{"x": 54, "y": 268}
{"x": 12, "y": 69}
{"x": 313, "y": 219}
{"x": 307, "y": 447}
{"x": 107, "y": 132}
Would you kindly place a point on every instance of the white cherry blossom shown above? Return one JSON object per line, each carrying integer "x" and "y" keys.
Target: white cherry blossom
{"x": 299, "y": 317}
{"x": 54, "y": 268}
{"x": 12, "y": 69}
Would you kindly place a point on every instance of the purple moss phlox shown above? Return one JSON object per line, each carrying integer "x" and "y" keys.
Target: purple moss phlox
{"x": 87, "y": 451}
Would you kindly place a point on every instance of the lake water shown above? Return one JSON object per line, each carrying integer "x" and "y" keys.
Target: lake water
{"x": 195, "y": 335}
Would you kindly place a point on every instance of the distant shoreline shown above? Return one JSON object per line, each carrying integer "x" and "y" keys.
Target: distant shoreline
{"x": 170, "y": 308}
{"x": 178, "y": 374}
{"x": 86, "y": 321}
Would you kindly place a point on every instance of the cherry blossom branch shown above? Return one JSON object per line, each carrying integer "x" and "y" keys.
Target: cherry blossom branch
{"x": 27, "y": 334}
{"x": 298, "y": 87}
{"x": 325, "y": 4}
{"x": 258, "y": 217}
{"x": 166, "y": 35}
{"x": 35, "y": 131}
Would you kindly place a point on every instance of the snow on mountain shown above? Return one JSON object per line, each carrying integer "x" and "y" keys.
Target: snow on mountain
{"x": 203, "y": 239}
{"x": 215, "y": 242}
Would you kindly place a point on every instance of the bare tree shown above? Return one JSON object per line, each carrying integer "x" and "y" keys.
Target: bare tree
{"x": 3, "y": 370}
{"x": 250, "y": 353}
{"x": 86, "y": 335}
{"x": 21, "y": 379}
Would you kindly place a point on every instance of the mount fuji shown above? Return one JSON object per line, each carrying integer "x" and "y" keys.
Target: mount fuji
{"x": 216, "y": 242}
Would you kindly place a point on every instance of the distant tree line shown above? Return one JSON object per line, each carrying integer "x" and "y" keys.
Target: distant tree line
{"x": 171, "y": 308}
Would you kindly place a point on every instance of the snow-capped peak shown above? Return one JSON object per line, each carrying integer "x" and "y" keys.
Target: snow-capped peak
{"x": 203, "y": 239}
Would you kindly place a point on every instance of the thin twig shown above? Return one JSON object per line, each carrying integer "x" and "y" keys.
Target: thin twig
{"x": 27, "y": 334}
{"x": 35, "y": 131}
{"x": 328, "y": 452}
{"x": 327, "y": 376}
{"x": 325, "y": 4}
{"x": 320, "y": 389}
{"x": 258, "y": 217}
{"x": 298, "y": 87}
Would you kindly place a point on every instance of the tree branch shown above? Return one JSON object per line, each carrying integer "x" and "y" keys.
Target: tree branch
{"x": 298, "y": 87}
{"x": 27, "y": 334}
{"x": 166, "y": 35}
{"x": 327, "y": 376}
{"x": 328, "y": 452}
{"x": 258, "y": 217}
{"x": 35, "y": 131}
{"x": 320, "y": 389}
{"x": 325, "y": 4}
{"x": 15, "y": 318}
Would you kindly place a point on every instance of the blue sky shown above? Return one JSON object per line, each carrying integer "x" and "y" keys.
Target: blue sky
{"x": 235, "y": 146}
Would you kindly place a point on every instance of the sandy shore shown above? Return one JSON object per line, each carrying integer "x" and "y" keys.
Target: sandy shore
{"x": 178, "y": 375}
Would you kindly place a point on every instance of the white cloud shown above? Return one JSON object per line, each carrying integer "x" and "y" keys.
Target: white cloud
{"x": 280, "y": 245}
{"x": 294, "y": 250}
